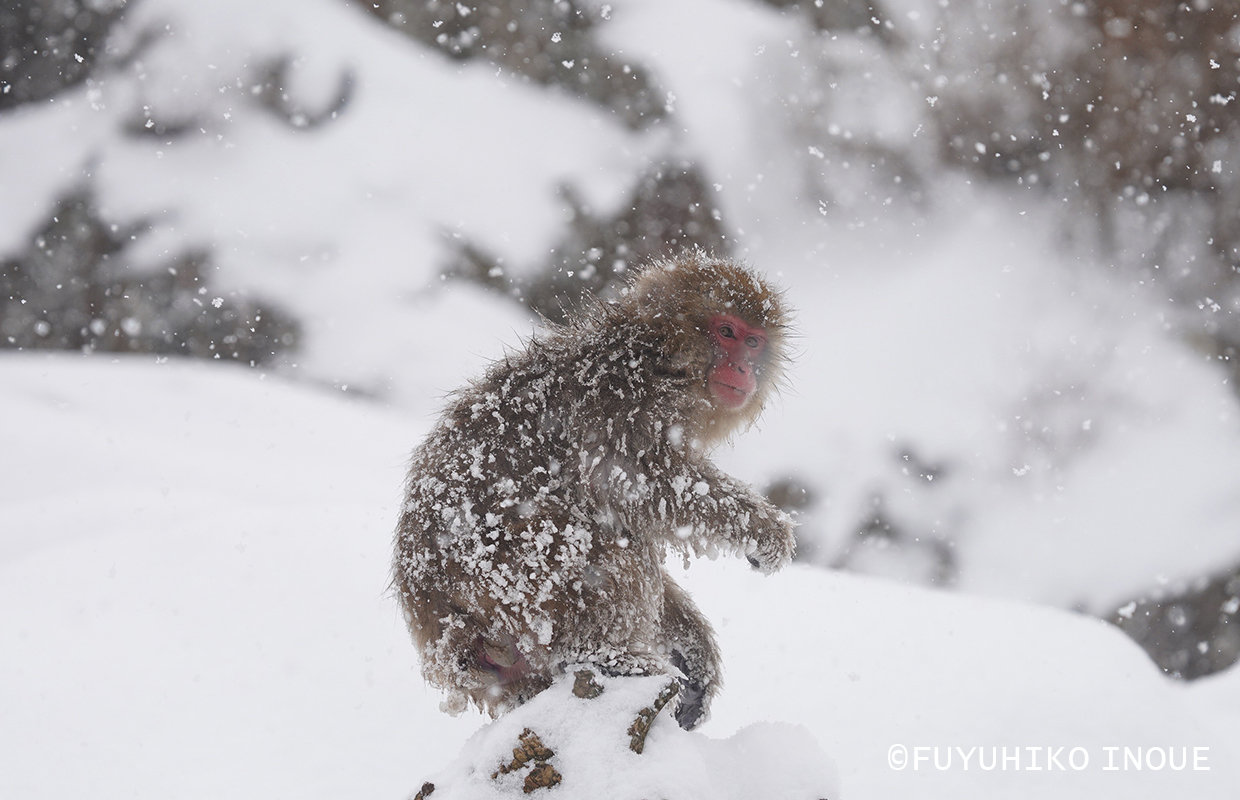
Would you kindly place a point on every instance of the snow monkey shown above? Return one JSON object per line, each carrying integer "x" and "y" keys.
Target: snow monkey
{"x": 540, "y": 509}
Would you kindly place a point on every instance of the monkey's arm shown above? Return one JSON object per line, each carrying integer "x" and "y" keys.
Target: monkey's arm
{"x": 698, "y": 507}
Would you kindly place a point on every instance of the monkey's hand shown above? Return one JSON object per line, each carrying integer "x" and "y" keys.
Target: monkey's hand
{"x": 772, "y": 541}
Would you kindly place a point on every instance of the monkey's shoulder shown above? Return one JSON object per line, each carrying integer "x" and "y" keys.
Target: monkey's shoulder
{"x": 571, "y": 371}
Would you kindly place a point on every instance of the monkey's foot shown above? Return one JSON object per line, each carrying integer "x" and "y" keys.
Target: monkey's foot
{"x": 696, "y": 688}
{"x": 692, "y": 703}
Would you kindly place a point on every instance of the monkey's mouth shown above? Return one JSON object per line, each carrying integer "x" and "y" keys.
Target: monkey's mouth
{"x": 504, "y": 662}
{"x": 729, "y": 396}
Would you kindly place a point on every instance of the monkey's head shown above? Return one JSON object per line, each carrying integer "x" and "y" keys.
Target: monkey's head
{"x": 723, "y": 328}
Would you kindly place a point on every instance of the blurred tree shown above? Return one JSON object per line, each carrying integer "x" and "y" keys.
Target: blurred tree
{"x": 545, "y": 41}
{"x": 1191, "y": 631}
{"x": 1124, "y": 110}
{"x": 50, "y": 45}
{"x": 1128, "y": 108}
{"x": 1125, "y": 107}
{"x": 271, "y": 92}
{"x": 669, "y": 210}
{"x": 71, "y": 290}
{"x": 847, "y": 16}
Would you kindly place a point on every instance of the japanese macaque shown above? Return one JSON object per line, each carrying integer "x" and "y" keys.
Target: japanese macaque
{"x": 541, "y": 508}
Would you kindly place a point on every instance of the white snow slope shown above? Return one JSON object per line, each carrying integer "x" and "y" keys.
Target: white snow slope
{"x": 193, "y": 562}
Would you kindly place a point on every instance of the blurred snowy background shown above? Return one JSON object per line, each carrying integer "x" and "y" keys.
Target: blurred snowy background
{"x": 1012, "y": 232}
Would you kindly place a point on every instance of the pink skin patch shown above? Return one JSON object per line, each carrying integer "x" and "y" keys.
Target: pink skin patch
{"x": 504, "y": 674}
{"x": 738, "y": 350}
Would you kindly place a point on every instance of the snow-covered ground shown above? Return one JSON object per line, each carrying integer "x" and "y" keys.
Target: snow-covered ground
{"x": 192, "y": 603}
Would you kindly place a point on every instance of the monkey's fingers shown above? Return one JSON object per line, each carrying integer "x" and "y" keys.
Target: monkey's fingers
{"x": 774, "y": 547}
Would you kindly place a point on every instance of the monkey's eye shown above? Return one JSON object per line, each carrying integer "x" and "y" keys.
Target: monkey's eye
{"x": 726, "y": 332}
{"x": 751, "y": 341}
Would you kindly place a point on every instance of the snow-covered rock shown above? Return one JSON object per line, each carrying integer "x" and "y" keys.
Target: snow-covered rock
{"x": 590, "y": 742}
{"x": 193, "y": 562}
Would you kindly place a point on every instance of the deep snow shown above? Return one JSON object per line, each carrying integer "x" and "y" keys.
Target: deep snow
{"x": 192, "y": 603}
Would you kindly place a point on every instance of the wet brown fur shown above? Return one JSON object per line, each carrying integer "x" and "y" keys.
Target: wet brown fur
{"x": 540, "y": 509}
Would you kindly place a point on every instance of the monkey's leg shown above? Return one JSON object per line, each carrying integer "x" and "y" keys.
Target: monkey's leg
{"x": 693, "y": 651}
{"x": 471, "y": 661}
{"x": 610, "y": 614}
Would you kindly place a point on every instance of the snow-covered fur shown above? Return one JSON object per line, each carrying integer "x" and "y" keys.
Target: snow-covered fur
{"x": 540, "y": 509}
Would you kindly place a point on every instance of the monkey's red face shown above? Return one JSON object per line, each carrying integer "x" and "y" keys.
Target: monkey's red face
{"x": 738, "y": 352}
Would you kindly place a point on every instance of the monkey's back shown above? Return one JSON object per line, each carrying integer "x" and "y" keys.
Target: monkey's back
{"x": 503, "y": 519}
